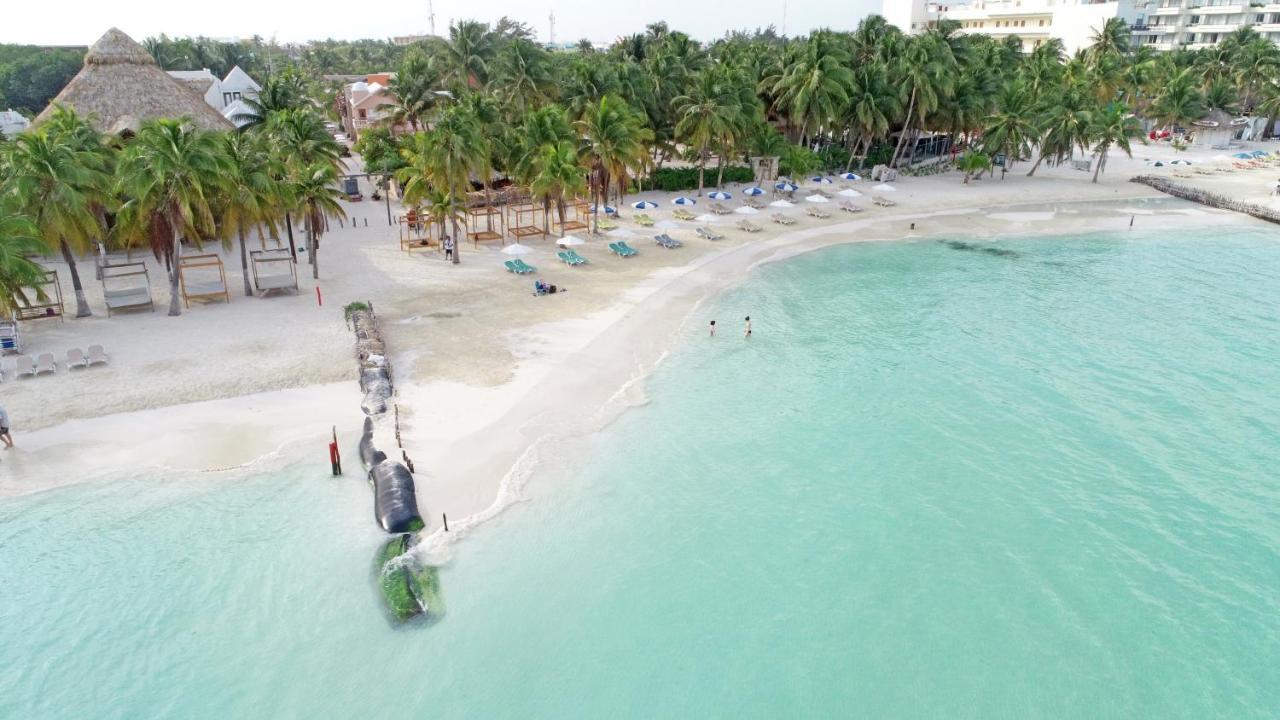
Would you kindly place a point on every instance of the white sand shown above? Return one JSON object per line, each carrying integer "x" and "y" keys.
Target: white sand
{"x": 489, "y": 377}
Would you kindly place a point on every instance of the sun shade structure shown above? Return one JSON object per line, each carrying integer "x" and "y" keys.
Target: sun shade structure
{"x": 644, "y": 205}
{"x": 127, "y": 286}
{"x": 418, "y": 231}
{"x": 202, "y": 277}
{"x": 576, "y": 215}
{"x": 753, "y": 191}
{"x": 851, "y": 176}
{"x": 786, "y": 187}
{"x": 46, "y": 303}
{"x": 481, "y": 221}
{"x": 719, "y": 195}
{"x": 525, "y": 220}
{"x": 120, "y": 87}
{"x": 682, "y": 200}
{"x": 273, "y": 270}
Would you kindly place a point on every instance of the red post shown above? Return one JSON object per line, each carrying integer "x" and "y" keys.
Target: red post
{"x": 319, "y": 299}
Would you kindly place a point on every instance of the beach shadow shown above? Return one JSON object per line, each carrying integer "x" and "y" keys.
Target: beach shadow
{"x": 970, "y": 247}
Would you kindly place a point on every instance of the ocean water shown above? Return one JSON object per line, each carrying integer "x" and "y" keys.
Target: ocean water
{"x": 1015, "y": 479}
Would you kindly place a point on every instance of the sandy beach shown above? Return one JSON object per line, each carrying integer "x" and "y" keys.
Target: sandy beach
{"x": 488, "y": 375}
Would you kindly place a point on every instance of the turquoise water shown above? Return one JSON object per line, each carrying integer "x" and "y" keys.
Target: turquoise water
{"x": 940, "y": 481}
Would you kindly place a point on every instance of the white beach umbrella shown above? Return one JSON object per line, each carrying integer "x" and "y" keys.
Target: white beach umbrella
{"x": 667, "y": 225}
{"x": 753, "y": 191}
{"x": 849, "y": 192}
{"x": 851, "y": 176}
{"x": 786, "y": 187}
{"x": 517, "y": 249}
{"x": 820, "y": 180}
{"x": 816, "y": 199}
{"x": 682, "y": 200}
{"x": 644, "y": 205}
{"x": 886, "y": 188}
{"x": 782, "y": 204}
{"x": 570, "y": 241}
{"x": 746, "y": 210}
{"x": 708, "y": 218}
{"x": 719, "y": 195}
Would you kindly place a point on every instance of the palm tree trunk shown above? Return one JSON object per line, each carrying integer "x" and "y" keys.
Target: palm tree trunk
{"x": 309, "y": 225}
{"x": 288, "y": 226}
{"x": 1037, "y": 165}
{"x": 720, "y": 173}
{"x": 1102, "y": 157}
{"x": 244, "y": 260}
{"x": 82, "y": 303}
{"x": 911, "y": 107}
{"x": 702, "y": 166}
{"x": 175, "y": 305}
{"x": 456, "y": 244}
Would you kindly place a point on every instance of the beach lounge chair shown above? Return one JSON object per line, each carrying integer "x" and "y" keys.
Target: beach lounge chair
{"x": 682, "y": 214}
{"x": 782, "y": 219}
{"x": 883, "y": 201}
{"x": 524, "y": 268}
{"x": 754, "y": 204}
{"x": 720, "y": 209}
{"x": 23, "y": 365}
{"x": 622, "y": 249}
{"x": 667, "y": 241}
{"x": 708, "y": 235}
{"x": 511, "y": 266}
{"x": 748, "y": 226}
{"x": 572, "y": 257}
{"x": 605, "y": 224}
{"x": 815, "y": 212}
{"x": 76, "y": 358}
{"x": 97, "y": 356}
{"x": 45, "y": 364}
{"x": 850, "y": 207}
{"x": 644, "y": 220}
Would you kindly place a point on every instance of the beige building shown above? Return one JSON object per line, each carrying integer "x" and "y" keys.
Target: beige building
{"x": 1032, "y": 21}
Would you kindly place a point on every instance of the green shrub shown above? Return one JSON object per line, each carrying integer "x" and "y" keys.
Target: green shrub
{"x": 686, "y": 178}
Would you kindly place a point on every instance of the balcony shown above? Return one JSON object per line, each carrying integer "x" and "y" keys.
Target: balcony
{"x": 1167, "y": 11}
{"x": 1218, "y": 9}
{"x": 1156, "y": 29}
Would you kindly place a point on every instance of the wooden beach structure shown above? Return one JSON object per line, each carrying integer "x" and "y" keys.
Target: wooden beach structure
{"x": 126, "y": 286}
{"x": 480, "y": 221}
{"x": 418, "y": 231}
{"x": 202, "y": 277}
{"x": 50, "y": 307}
{"x": 525, "y": 220}
{"x": 577, "y": 216}
{"x": 273, "y": 270}
{"x": 1211, "y": 199}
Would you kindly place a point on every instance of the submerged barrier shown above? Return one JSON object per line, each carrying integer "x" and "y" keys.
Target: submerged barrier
{"x": 1204, "y": 197}
{"x": 409, "y": 589}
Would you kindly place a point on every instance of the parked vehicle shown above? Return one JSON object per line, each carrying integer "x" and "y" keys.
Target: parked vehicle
{"x": 351, "y": 186}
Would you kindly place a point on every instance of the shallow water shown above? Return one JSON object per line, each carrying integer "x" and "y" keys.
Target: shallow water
{"x": 942, "y": 480}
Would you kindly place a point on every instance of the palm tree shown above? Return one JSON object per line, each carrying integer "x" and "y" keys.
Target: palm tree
{"x": 443, "y": 160}
{"x": 872, "y": 106}
{"x": 18, "y": 275}
{"x": 1179, "y": 101}
{"x": 170, "y": 173}
{"x": 300, "y": 141}
{"x": 973, "y": 163}
{"x": 252, "y": 195}
{"x": 1012, "y": 127}
{"x": 59, "y": 177}
{"x": 467, "y": 54}
{"x": 811, "y": 86}
{"x": 708, "y": 116}
{"x": 1112, "y": 127}
{"x": 315, "y": 189}
{"x": 925, "y": 73}
{"x": 279, "y": 93}
{"x": 556, "y": 176}
{"x": 613, "y": 140}
{"x": 1064, "y": 125}
{"x": 522, "y": 76}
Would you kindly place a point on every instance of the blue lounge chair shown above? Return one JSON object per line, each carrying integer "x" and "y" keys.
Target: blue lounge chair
{"x": 575, "y": 258}
{"x": 523, "y": 268}
{"x": 667, "y": 241}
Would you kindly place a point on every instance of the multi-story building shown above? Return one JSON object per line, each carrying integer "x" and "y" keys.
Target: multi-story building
{"x": 1194, "y": 24}
{"x": 1032, "y": 21}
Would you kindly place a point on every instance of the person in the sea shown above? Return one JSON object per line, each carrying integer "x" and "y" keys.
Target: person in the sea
{"x": 448, "y": 247}
{"x": 713, "y": 328}
{"x": 4, "y": 429}
{"x": 747, "y": 331}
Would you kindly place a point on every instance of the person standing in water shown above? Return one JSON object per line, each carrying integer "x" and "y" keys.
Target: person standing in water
{"x": 713, "y": 328}
{"x": 747, "y": 332}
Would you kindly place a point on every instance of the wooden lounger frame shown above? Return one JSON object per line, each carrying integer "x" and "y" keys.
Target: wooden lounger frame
{"x": 577, "y": 216}
{"x": 525, "y": 222}
{"x": 51, "y": 307}
{"x": 128, "y": 298}
{"x": 202, "y": 291}
{"x": 479, "y": 223}
{"x": 264, "y": 284}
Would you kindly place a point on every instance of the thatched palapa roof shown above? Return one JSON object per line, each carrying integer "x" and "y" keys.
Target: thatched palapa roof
{"x": 120, "y": 87}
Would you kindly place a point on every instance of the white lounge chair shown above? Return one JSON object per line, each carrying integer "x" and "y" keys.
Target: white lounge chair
{"x": 97, "y": 355}
{"x": 45, "y": 364}
{"x": 23, "y": 365}
{"x": 76, "y": 358}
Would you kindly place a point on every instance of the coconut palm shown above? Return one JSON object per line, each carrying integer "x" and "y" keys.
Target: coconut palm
{"x": 613, "y": 140}
{"x": 925, "y": 73}
{"x": 20, "y": 278}
{"x": 251, "y": 194}
{"x": 1064, "y": 125}
{"x": 811, "y": 84}
{"x": 556, "y": 176}
{"x": 59, "y": 177}
{"x": 170, "y": 172}
{"x": 467, "y": 54}
{"x": 1012, "y": 127}
{"x": 279, "y": 93}
{"x": 708, "y": 116}
{"x": 522, "y": 76}
{"x": 443, "y": 160}
{"x": 973, "y": 163}
{"x": 872, "y": 107}
{"x": 315, "y": 190}
{"x": 1179, "y": 101}
{"x": 1112, "y": 127}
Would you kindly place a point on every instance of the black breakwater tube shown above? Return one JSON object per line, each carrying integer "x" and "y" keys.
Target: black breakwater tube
{"x": 369, "y": 455}
{"x": 395, "y": 502}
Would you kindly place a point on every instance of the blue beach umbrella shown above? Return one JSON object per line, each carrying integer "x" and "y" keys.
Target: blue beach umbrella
{"x": 1259, "y": 153}
{"x": 719, "y": 195}
{"x": 851, "y": 176}
{"x": 821, "y": 180}
{"x": 608, "y": 209}
{"x": 644, "y": 205}
{"x": 682, "y": 200}
{"x": 786, "y": 187}
{"x": 753, "y": 191}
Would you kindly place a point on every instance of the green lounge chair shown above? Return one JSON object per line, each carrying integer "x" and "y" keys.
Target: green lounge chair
{"x": 575, "y": 258}
{"x": 511, "y": 266}
{"x": 524, "y": 268}
{"x": 564, "y": 258}
{"x": 644, "y": 220}
{"x": 627, "y": 250}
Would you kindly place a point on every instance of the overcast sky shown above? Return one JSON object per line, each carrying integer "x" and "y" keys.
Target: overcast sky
{"x": 80, "y": 22}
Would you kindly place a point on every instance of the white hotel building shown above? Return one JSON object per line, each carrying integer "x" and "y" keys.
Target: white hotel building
{"x": 1162, "y": 24}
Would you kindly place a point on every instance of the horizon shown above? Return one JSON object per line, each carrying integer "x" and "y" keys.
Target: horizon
{"x": 574, "y": 20}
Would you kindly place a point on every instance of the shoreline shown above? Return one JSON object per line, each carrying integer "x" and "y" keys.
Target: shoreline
{"x": 478, "y": 446}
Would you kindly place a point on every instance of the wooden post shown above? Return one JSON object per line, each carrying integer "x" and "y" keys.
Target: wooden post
{"x": 446, "y": 521}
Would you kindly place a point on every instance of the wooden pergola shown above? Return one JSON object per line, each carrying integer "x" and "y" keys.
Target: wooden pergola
{"x": 479, "y": 222}
{"x": 524, "y": 221}
{"x": 50, "y": 307}
{"x": 418, "y": 231}
{"x": 577, "y": 216}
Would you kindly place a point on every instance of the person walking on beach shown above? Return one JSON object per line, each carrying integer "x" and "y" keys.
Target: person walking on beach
{"x": 4, "y": 429}
{"x": 713, "y": 328}
{"x": 747, "y": 332}
{"x": 448, "y": 247}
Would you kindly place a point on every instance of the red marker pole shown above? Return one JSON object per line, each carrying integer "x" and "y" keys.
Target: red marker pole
{"x": 319, "y": 299}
